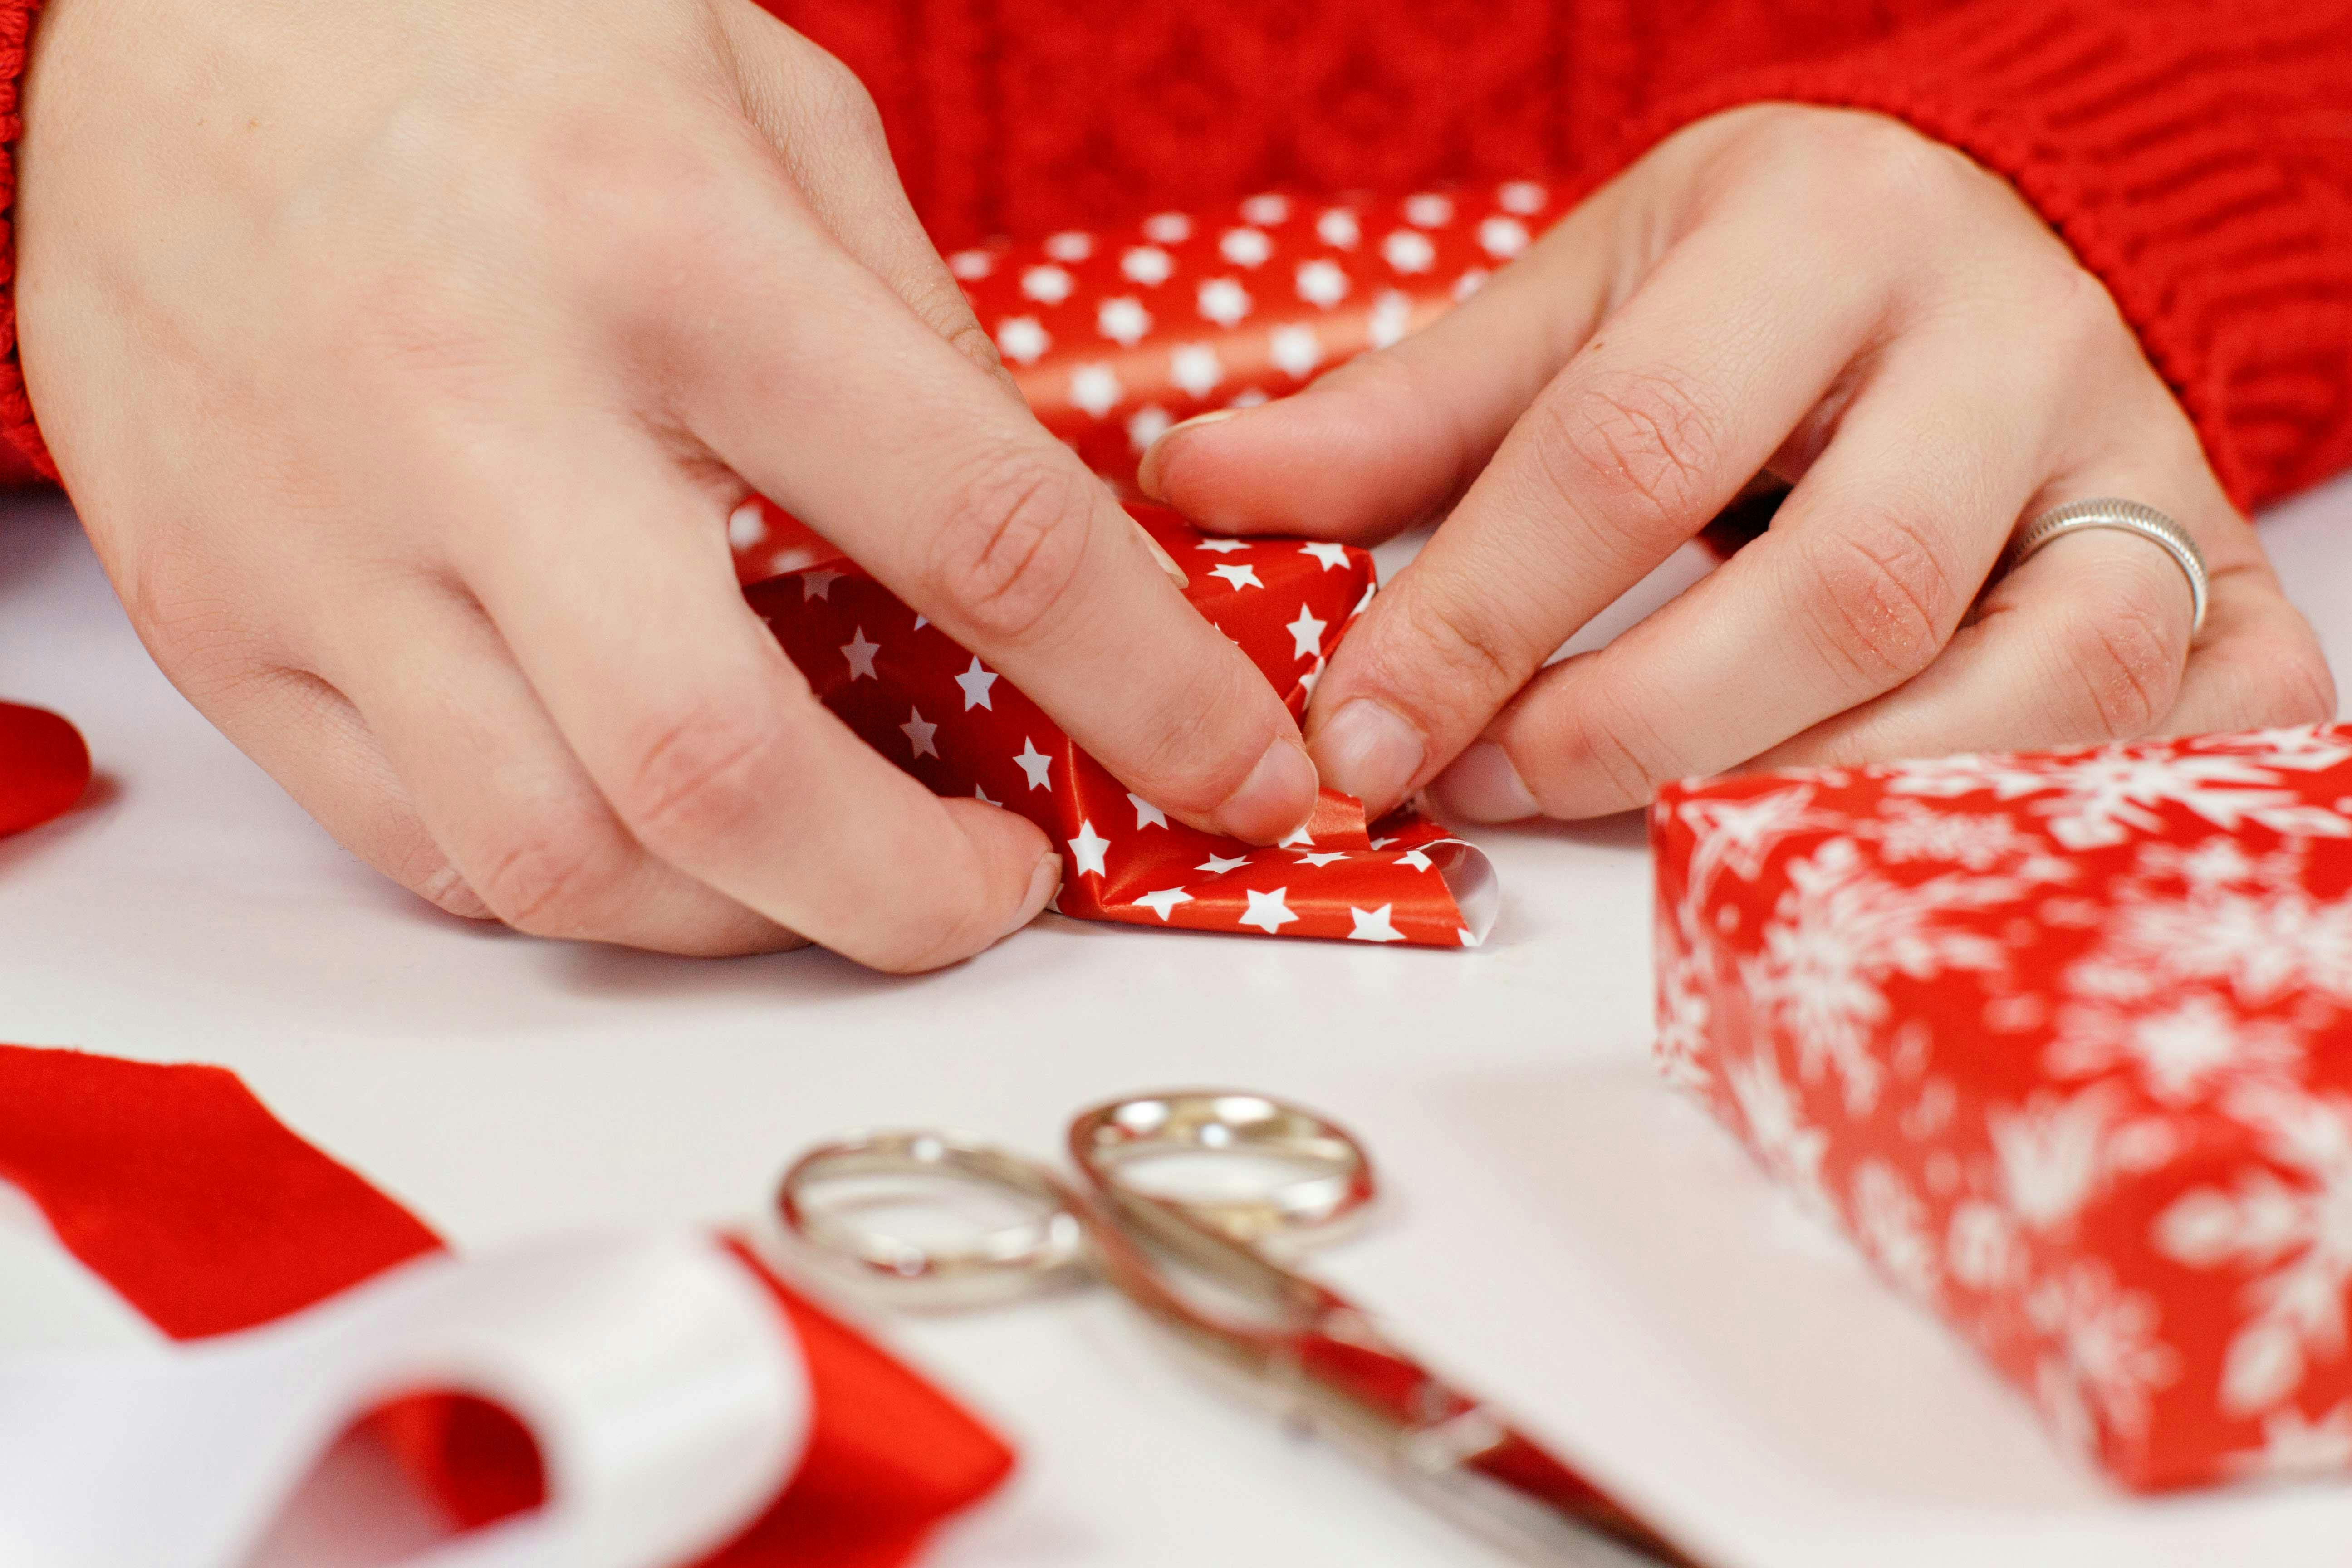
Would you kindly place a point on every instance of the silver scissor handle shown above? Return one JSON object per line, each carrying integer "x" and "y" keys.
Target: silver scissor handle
{"x": 1323, "y": 1178}
{"x": 1008, "y": 1260}
{"x": 1332, "y": 1178}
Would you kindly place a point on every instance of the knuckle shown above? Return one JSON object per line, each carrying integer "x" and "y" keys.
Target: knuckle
{"x": 919, "y": 941}
{"x": 1885, "y": 594}
{"x": 596, "y": 167}
{"x": 2293, "y": 686}
{"x": 837, "y": 99}
{"x": 1193, "y": 754}
{"x": 1851, "y": 169}
{"x": 554, "y": 876}
{"x": 1611, "y": 737}
{"x": 1011, "y": 537}
{"x": 1642, "y": 443}
{"x": 965, "y": 334}
{"x": 702, "y": 776}
{"x": 1454, "y": 643}
{"x": 2076, "y": 318}
{"x": 2123, "y": 654}
{"x": 1882, "y": 160}
{"x": 196, "y": 627}
{"x": 442, "y": 887}
{"x": 641, "y": 210}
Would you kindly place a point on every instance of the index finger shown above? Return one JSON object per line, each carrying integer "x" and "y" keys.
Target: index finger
{"x": 1646, "y": 433}
{"x": 820, "y": 387}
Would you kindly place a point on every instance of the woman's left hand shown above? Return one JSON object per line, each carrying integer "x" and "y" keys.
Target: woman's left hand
{"x": 1825, "y": 298}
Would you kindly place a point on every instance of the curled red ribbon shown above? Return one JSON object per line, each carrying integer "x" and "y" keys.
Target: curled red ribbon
{"x": 176, "y": 1185}
{"x": 44, "y": 766}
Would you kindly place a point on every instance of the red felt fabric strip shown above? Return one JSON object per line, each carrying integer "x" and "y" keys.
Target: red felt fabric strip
{"x": 179, "y": 1188}
{"x": 44, "y": 766}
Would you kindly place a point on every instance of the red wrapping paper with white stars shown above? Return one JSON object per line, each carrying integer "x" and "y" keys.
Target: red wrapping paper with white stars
{"x": 936, "y": 709}
{"x": 2064, "y": 1043}
{"x": 1112, "y": 337}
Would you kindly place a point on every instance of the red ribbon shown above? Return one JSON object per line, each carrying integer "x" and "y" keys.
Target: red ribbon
{"x": 44, "y": 767}
{"x": 179, "y": 1188}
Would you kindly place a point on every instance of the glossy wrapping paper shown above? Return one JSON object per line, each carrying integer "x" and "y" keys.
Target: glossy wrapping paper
{"x": 936, "y": 709}
{"x": 1113, "y": 337}
{"x": 2065, "y": 1044}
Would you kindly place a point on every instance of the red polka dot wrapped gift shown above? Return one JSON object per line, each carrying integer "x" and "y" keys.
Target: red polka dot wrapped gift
{"x": 2065, "y": 1044}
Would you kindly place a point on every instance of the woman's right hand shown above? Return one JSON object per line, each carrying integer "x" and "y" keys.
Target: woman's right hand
{"x": 405, "y": 363}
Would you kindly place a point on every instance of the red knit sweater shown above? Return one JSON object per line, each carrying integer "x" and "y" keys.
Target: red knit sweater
{"x": 2197, "y": 155}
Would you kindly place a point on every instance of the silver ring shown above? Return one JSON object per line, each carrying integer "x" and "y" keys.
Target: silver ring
{"x": 2130, "y": 516}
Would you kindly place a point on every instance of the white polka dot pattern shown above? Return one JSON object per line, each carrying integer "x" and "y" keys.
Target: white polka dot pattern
{"x": 1188, "y": 312}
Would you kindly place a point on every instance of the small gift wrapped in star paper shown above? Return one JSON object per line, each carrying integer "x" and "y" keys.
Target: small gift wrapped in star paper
{"x": 2064, "y": 1043}
{"x": 1112, "y": 337}
{"x": 926, "y": 703}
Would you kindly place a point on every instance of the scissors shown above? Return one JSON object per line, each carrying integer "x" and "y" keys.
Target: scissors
{"x": 1280, "y": 1178}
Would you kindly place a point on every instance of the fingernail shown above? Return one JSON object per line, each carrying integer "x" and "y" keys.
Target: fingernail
{"x": 1147, "y": 472}
{"x": 1369, "y": 751}
{"x": 1043, "y": 883}
{"x": 1278, "y": 795}
{"x": 1167, "y": 562}
{"x": 1481, "y": 785}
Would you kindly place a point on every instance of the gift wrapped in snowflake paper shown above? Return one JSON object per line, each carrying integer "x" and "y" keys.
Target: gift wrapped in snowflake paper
{"x": 2064, "y": 1043}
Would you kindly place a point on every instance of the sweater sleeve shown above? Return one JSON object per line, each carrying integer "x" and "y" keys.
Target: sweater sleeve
{"x": 23, "y": 455}
{"x": 2197, "y": 158}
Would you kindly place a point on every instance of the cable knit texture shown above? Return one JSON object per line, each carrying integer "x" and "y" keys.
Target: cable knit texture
{"x": 15, "y": 408}
{"x": 2198, "y": 159}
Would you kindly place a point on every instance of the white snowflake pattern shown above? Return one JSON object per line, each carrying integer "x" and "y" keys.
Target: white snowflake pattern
{"x": 1739, "y": 834}
{"x": 2103, "y": 797}
{"x": 1683, "y": 1045}
{"x": 2049, "y": 1152}
{"x": 2263, "y": 943}
{"x": 2294, "y": 1447}
{"x": 1891, "y": 1224}
{"x": 2294, "y": 1235}
{"x": 1837, "y": 934}
{"x": 1790, "y": 1147}
{"x": 2106, "y": 1361}
{"x": 2301, "y": 747}
{"x": 2183, "y": 1047}
{"x": 1977, "y": 841}
{"x": 1981, "y": 1248}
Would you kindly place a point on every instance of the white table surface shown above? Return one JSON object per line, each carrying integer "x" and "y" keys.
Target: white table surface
{"x": 1563, "y": 1233}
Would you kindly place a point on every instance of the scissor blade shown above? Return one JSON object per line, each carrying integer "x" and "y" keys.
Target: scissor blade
{"x": 1524, "y": 1467}
{"x": 1442, "y": 1434}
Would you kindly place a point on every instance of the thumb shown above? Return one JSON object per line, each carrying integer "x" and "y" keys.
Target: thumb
{"x": 1394, "y": 437}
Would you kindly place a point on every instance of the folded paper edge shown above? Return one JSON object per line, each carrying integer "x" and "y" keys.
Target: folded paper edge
{"x": 1469, "y": 876}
